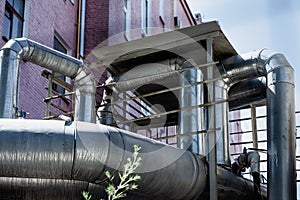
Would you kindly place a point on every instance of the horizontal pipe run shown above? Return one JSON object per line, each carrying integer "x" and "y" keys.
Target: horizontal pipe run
{"x": 84, "y": 151}
{"x": 163, "y": 91}
{"x": 51, "y": 155}
{"x": 247, "y": 92}
{"x": 153, "y": 75}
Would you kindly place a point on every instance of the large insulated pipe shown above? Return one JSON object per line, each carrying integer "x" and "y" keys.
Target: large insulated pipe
{"x": 84, "y": 151}
{"x": 145, "y": 74}
{"x": 247, "y": 92}
{"x": 222, "y": 135}
{"x": 24, "y": 49}
{"x": 190, "y": 120}
{"x": 50, "y": 157}
{"x": 281, "y": 115}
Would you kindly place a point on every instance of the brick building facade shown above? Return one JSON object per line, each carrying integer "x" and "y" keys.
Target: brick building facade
{"x": 58, "y": 22}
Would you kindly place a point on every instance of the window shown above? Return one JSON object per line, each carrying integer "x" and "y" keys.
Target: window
{"x": 145, "y": 15}
{"x": 127, "y": 18}
{"x": 59, "y": 47}
{"x": 177, "y": 22}
{"x": 13, "y": 19}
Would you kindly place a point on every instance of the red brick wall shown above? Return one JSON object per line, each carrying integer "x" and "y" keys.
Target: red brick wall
{"x": 44, "y": 19}
{"x": 96, "y": 27}
{"x": 2, "y": 9}
{"x": 116, "y": 16}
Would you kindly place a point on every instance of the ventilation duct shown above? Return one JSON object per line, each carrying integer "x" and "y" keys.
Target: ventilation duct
{"x": 73, "y": 157}
{"x": 281, "y": 133}
{"x": 28, "y": 50}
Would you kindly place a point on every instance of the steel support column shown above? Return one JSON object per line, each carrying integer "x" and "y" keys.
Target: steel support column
{"x": 212, "y": 153}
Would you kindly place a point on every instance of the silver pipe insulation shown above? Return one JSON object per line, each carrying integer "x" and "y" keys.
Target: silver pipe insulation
{"x": 190, "y": 121}
{"x": 221, "y": 120}
{"x": 37, "y": 188}
{"x": 146, "y": 74}
{"x": 51, "y": 160}
{"x": 247, "y": 92}
{"x": 241, "y": 67}
{"x": 280, "y": 115}
{"x": 84, "y": 151}
{"x": 24, "y": 49}
{"x": 280, "y": 96}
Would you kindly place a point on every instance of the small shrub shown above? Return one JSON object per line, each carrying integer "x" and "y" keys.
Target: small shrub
{"x": 127, "y": 178}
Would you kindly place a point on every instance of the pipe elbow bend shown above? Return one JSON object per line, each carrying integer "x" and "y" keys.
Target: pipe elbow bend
{"x": 84, "y": 80}
{"x": 271, "y": 60}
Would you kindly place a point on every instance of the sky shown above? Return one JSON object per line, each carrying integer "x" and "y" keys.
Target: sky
{"x": 257, "y": 24}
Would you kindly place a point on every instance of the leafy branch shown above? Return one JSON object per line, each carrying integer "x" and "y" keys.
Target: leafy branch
{"x": 127, "y": 178}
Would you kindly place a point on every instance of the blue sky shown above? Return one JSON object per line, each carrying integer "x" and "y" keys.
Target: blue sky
{"x": 257, "y": 24}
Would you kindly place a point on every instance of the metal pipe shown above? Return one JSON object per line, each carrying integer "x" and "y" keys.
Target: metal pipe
{"x": 281, "y": 115}
{"x": 222, "y": 136}
{"x": 25, "y": 49}
{"x": 245, "y": 93}
{"x": 145, "y": 74}
{"x": 190, "y": 120}
{"x": 241, "y": 67}
{"x": 82, "y": 27}
{"x": 84, "y": 151}
{"x": 72, "y": 157}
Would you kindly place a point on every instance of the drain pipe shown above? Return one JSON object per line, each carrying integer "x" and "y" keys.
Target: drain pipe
{"x": 81, "y": 28}
{"x": 281, "y": 115}
{"x": 28, "y": 50}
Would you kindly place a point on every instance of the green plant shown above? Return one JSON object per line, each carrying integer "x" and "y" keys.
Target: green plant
{"x": 127, "y": 178}
{"x": 86, "y": 195}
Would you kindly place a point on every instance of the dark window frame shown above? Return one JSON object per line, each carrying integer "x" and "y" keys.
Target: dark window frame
{"x": 59, "y": 46}
{"x": 11, "y": 16}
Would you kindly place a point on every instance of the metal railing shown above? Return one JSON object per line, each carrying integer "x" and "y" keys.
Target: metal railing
{"x": 250, "y": 126}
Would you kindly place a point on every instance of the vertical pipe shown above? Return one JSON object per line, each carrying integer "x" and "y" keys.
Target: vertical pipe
{"x": 82, "y": 27}
{"x": 78, "y": 30}
{"x": 85, "y": 90}
{"x": 189, "y": 121}
{"x": 213, "y": 193}
{"x": 222, "y": 136}
{"x": 9, "y": 70}
{"x": 281, "y": 115}
{"x": 281, "y": 132}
